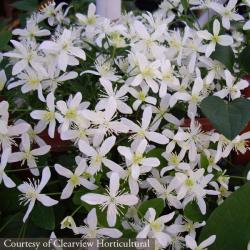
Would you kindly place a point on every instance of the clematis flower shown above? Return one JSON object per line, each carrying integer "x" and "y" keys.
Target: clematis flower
{"x": 9, "y": 132}
{"x": 71, "y": 111}
{"x": 31, "y": 192}
{"x": 166, "y": 193}
{"x": 31, "y": 31}
{"x": 191, "y": 243}
{"x": 104, "y": 122}
{"x": 137, "y": 163}
{"x": 148, "y": 71}
{"x": 224, "y": 40}
{"x": 26, "y": 154}
{"x": 65, "y": 48}
{"x": 75, "y": 179}
{"x": 191, "y": 185}
{"x": 143, "y": 131}
{"x": 89, "y": 20}
{"x": 47, "y": 117}
{"x": 26, "y": 55}
{"x": 142, "y": 96}
{"x": 3, "y": 177}
{"x": 232, "y": 89}
{"x": 91, "y": 230}
{"x": 30, "y": 80}
{"x": 154, "y": 227}
{"x": 228, "y": 12}
{"x": 113, "y": 199}
{"x": 118, "y": 95}
{"x": 98, "y": 155}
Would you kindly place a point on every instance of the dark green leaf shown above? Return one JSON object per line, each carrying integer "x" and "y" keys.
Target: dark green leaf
{"x": 43, "y": 216}
{"x": 225, "y": 55}
{"x": 230, "y": 222}
{"x": 185, "y": 4}
{"x": 26, "y": 5}
{"x": 157, "y": 204}
{"x": 204, "y": 161}
{"x": 5, "y": 37}
{"x": 193, "y": 212}
{"x": 228, "y": 118}
{"x": 244, "y": 59}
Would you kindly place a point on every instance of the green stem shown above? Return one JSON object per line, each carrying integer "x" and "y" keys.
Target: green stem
{"x": 9, "y": 221}
{"x": 76, "y": 210}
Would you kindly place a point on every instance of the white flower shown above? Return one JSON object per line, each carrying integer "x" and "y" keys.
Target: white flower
{"x": 163, "y": 112}
{"x": 104, "y": 122}
{"x": 192, "y": 139}
{"x": 29, "y": 155}
{"x": 224, "y": 40}
{"x": 141, "y": 96}
{"x": 148, "y": 71}
{"x": 104, "y": 69}
{"x": 143, "y": 131}
{"x": 113, "y": 199}
{"x": 75, "y": 179}
{"x": 91, "y": 230}
{"x": 32, "y": 192}
{"x": 47, "y": 117}
{"x": 90, "y": 19}
{"x": 98, "y": 155}
{"x": 166, "y": 193}
{"x": 191, "y": 243}
{"x": 3, "y": 79}
{"x": 30, "y": 80}
{"x": 118, "y": 95}
{"x": 232, "y": 89}
{"x": 136, "y": 161}
{"x": 31, "y": 30}
{"x": 71, "y": 111}
{"x": 65, "y": 49}
{"x": 168, "y": 78}
{"x": 227, "y": 12}
{"x": 26, "y": 55}
{"x": 9, "y": 132}
{"x": 3, "y": 177}
{"x": 154, "y": 227}
{"x": 191, "y": 186}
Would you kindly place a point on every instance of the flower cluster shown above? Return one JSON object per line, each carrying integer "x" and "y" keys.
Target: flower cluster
{"x": 119, "y": 92}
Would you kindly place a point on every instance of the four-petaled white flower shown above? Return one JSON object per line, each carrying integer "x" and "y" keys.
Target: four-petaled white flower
{"x": 31, "y": 191}
{"x": 29, "y": 155}
{"x": 215, "y": 38}
{"x": 191, "y": 243}
{"x": 154, "y": 227}
{"x": 113, "y": 199}
{"x": 91, "y": 229}
{"x": 75, "y": 179}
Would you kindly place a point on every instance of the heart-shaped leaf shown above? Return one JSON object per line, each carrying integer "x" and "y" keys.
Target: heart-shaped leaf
{"x": 227, "y": 118}
{"x": 230, "y": 222}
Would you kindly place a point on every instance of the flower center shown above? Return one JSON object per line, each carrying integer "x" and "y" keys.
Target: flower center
{"x": 137, "y": 158}
{"x": 71, "y": 114}
{"x": 74, "y": 180}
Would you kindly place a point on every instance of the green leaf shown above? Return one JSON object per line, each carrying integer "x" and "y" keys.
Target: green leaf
{"x": 157, "y": 204}
{"x": 204, "y": 161}
{"x": 225, "y": 55}
{"x": 26, "y": 5}
{"x": 43, "y": 216}
{"x": 5, "y": 37}
{"x": 230, "y": 222}
{"x": 244, "y": 59}
{"x": 228, "y": 118}
{"x": 192, "y": 212}
{"x": 185, "y": 4}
